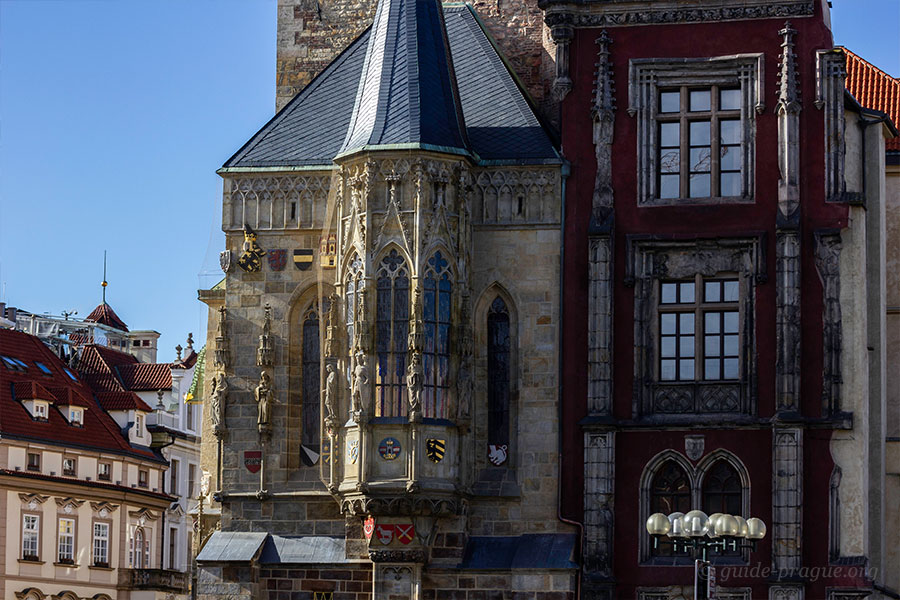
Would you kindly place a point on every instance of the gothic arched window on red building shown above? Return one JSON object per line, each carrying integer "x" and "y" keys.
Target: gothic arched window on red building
{"x": 670, "y": 492}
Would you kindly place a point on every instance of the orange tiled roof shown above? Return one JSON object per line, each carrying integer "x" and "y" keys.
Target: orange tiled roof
{"x": 105, "y": 315}
{"x": 873, "y": 88}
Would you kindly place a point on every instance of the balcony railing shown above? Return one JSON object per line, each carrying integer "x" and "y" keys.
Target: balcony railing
{"x": 152, "y": 579}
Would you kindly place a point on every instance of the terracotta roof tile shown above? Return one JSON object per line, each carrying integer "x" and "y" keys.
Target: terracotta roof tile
{"x": 122, "y": 401}
{"x": 143, "y": 377}
{"x": 873, "y": 88}
{"x": 105, "y": 315}
{"x": 98, "y": 431}
{"x": 31, "y": 390}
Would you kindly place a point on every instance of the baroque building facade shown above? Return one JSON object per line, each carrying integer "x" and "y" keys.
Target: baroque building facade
{"x": 383, "y": 367}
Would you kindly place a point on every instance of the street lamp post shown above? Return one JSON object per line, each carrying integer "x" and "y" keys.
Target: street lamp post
{"x": 704, "y": 536}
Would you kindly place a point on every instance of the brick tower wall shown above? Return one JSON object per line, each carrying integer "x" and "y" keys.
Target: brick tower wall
{"x": 312, "y": 32}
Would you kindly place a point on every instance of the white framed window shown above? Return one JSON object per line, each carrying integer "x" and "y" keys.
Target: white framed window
{"x": 31, "y": 536}
{"x": 34, "y": 461}
{"x": 70, "y": 467}
{"x": 173, "y": 476}
{"x": 76, "y": 415}
{"x": 696, "y": 120}
{"x": 66, "y": 540}
{"x": 139, "y": 425}
{"x": 192, "y": 481}
{"x": 142, "y": 478}
{"x": 100, "y": 545}
{"x": 139, "y": 549}
{"x": 103, "y": 472}
{"x": 40, "y": 410}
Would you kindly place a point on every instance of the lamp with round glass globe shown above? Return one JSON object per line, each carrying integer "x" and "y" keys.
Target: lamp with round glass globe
{"x": 756, "y": 529}
{"x": 713, "y": 522}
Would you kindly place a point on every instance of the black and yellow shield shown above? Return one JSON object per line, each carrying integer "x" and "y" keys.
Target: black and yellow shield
{"x": 303, "y": 258}
{"x": 323, "y": 595}
{"x": 434, "y": 449}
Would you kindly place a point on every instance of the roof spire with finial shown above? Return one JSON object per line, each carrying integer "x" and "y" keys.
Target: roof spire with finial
{"x": 104, "y": 283}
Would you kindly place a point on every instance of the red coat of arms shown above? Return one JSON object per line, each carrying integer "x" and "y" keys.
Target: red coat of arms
{"x": 253, "y": 460}
{"x": 277, "y": 259}
{"x": 385, "y": 533}
{"x": 405, "y": 533}
{"x": 369, "y": 527}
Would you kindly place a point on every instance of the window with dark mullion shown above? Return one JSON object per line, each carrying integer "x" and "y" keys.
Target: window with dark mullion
{"x": 699, "y": 142}
{"x": 392, "y": 325}
{"x": 498, "y": 353}
{"x": 436, "y": 355}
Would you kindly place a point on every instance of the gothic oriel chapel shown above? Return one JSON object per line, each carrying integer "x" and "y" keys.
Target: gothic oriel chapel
{"x": 387, "y": 330}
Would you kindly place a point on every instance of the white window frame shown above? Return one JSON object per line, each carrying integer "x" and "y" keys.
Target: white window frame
{"x": 100, "y": 544}
{"x": 76, "y": 415}
{"x": 73, "y": 472}
{"x": 648, "y": 76}
{"x": 65, "y": 541}
{"x": 33, "y": 534}
{"x": 139, "y": 425}
{"x": 40, "y": 410}
{"x": 100, "y": 475}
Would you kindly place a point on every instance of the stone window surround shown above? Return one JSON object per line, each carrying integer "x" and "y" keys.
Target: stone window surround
{"x": 671, "y": 593}
{"x": 649, "y": 259}
{"x": 109, "y": 541}
{"x": 647, "y": 75}
{"x": 482, "y": 306}
{"x": 57, "y": 558}
{"x": 33, "y": 513}
{"x": 696, "y": 475}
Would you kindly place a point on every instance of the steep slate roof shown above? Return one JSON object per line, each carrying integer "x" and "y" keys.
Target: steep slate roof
{"x": 105, "y": 315}
{"x": 407, "y": 92}
{"x": 413, "y": 104}
{"x": 98, "y": 431}
{"x": 873, "y": 88}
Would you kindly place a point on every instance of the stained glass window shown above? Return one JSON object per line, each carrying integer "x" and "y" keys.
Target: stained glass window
{"x": 436, "y": 355}
{"x": 498, "y": 367}
{"x": 392, "y": 326}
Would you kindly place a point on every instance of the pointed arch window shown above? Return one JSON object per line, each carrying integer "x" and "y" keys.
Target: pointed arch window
{"x": 436, "y": 355}
{"x": 352, "y": 288}
{"x": 670, "y": 492}
{"x": 392, "y": 327}
{"x": 310, "y": 378}
{"x": 498, "y": 371}
{"x": 722, "y": 489}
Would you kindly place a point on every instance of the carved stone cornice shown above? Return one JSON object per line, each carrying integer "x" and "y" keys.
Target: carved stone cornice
{"x": 36, "y": 498}
{"x": 416, "y": 555}
{"x": 403, "y": 505}
{"x": 630, "y": 12}
{"x": 62, "y": 502}
{"x": 108, "y": 507}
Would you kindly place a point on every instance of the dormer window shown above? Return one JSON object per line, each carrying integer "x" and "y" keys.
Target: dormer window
{"x": 39, "y": 410}
{"x": 139, "y": 425}
{"x": 76, "y": 416}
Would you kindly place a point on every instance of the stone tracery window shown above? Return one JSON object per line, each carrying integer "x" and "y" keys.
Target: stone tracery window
{"x": 352, "y": 287}
{"x": 392, "y": 327}
{"x": 670, "y": 492}
{"x": 437, "y": 321}
{"x": 498, "y": 371}
{"x": 310, "y": 367}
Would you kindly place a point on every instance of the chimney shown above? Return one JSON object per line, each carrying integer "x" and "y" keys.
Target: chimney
{"x": 2, "y": 309}
{"x": 11, "y": 313}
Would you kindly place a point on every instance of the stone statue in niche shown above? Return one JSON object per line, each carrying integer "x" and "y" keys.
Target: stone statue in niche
{"x": 330, "y": 392}
{"x": 360, "y": 390}
{"x": 414, "y": 384}
{"x": 216, "y": 402}
{"x": 264, "y": 398}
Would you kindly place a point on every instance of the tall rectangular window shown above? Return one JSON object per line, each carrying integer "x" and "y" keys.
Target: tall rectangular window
{"x": 142, "y": 478}
{"x": 66, "y": 540}
{"x": 436, "y": 311}
{"x": 100, "y": 546}
{"x": 34, "y": 461}
{"x": 189, "y": 416}
{"x": 699, "y": 334}
{"x": 31, "y": 534}
{"x": 392, "y": 325}
{"x": 173, "y": 477}
{"x": 192, "y": 481}
{"x": 173, "y": 537}
{"x": 699, "y": 142}
{"x": 103, "y": 471}
{"x": 70, "y": 467}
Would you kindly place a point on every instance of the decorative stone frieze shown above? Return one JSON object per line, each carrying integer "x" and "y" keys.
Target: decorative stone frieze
{"x": 505, "y": 196}
{"x": 828, "y": 255}
{"x": 786, "y": 592}
{"x": 831, "y": 73}
{"x": 275, "y": 202}
{"x": 624, "y": 12}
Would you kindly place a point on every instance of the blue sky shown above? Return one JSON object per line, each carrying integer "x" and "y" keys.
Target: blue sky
{"x": 115, "y": 115}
